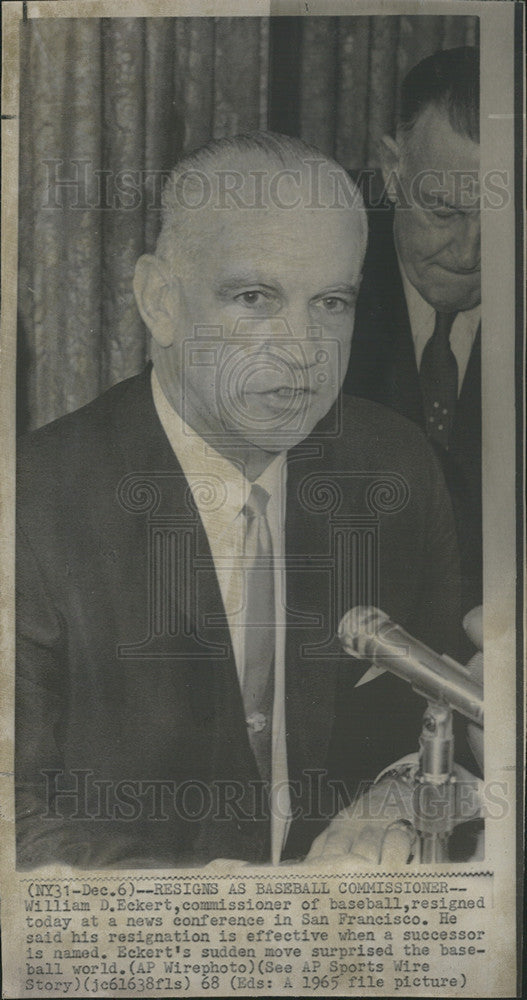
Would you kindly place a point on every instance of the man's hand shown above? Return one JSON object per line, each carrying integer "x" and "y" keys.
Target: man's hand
{"x": 376, "y": 829}
{"x": 473, "y": 625}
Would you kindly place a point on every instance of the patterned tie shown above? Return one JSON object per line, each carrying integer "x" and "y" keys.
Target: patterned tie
{"x": 259, "y": 622}
{"x": 439, "y": 377}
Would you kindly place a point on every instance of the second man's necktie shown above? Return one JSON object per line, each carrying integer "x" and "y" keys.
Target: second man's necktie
{"x": 438, "y": 376}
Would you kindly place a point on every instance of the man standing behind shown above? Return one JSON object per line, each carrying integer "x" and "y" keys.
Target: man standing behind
{"x": 417, "y": 340}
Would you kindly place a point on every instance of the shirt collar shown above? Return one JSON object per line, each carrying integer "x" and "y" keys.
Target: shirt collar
{"x": 422, "y": 314}
{"x": 219, "y": 488}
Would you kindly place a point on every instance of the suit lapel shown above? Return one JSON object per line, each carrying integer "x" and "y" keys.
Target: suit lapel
{"x": 466, "y": 436}
{"x": 310, "y": 682}
{"x": 383, "y": 365}
{"x": 203, "y": 652}
{"x": 403, "y": 388}
{"x": 401, "y": 377}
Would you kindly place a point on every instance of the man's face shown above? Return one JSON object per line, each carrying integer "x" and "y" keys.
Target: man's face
{"x": 265, "y": 323}
{"x": 437, "y": 234}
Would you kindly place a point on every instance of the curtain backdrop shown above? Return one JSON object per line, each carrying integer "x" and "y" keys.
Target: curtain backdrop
{"x": 108, "y": 105}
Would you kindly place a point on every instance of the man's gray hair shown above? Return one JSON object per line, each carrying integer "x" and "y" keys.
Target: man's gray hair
{"x": 244, "y": 171}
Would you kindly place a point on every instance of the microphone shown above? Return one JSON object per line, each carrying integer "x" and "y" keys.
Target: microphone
{"x": 368, "y": 633}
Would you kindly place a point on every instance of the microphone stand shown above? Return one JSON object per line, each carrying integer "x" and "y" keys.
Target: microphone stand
{"x": 434, "y": 796}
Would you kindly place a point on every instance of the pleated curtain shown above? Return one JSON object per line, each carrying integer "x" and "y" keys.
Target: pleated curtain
{"x": 106, "y": 108}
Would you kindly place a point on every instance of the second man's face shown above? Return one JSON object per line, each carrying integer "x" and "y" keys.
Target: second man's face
{"x": 265, "y": 324}
{"x": 437, "y": 230}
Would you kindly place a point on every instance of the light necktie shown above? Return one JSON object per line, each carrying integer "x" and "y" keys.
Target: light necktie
{"x": 438, "y": 376}
{"x": 260, "y": 629}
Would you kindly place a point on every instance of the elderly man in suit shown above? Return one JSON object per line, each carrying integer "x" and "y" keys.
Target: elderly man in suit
{"x": 417, "y": 339}
{"x": 188, "y": 542}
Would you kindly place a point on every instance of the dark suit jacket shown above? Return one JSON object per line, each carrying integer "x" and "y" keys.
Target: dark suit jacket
{"x": 125, "y": 675}
{"x": 383, "y": 368}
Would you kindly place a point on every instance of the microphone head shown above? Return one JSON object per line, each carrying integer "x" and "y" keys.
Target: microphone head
{"x": 358, "y": 626}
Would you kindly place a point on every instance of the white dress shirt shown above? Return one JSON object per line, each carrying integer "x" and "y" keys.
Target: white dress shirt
{"x": 422, "y": 321}
{"x": 220, "y": 491}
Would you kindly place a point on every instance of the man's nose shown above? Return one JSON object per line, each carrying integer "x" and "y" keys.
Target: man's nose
{"x": 468, "y": 243}
{"x": 294, "y": 336}
{"x": 294, "y": 327}
{"x": 299, "y": 321}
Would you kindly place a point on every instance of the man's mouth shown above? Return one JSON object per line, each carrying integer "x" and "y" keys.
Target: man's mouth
{"x": 463, "y": 272}
{"x": 286, "y": 391}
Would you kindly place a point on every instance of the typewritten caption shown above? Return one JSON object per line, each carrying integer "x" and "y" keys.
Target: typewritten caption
{"x": 361, "y": 934}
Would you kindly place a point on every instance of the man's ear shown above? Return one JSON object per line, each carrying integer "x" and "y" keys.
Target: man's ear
{"x": 157, "y": 296}
{"x": 390, "y": 156}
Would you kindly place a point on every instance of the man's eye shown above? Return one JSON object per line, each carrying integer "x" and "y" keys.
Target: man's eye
{"x": 251, "y": 298}
{"x": 333, "y": 304}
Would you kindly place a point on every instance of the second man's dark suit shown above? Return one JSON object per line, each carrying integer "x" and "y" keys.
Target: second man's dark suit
{"x": 383, "y": 368}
